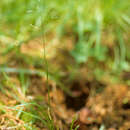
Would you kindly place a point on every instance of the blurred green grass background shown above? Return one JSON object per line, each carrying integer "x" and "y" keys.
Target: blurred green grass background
{"x": 93, "y": 22}
{"x": 100, "y": 28}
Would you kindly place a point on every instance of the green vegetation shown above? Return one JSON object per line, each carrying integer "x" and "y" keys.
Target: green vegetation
{"x": 50, "y": 40}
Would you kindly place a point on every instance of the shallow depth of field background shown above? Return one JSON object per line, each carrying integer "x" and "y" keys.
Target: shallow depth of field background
{"x": 64, "y": 64}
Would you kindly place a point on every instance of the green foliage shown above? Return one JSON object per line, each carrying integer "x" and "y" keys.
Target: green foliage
{"x": 24, "y": 19}
{"x": 72, "y": 124}
{"x": 83, "y": 51}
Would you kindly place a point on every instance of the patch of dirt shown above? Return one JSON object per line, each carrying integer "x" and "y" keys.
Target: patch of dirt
{"x": 79, "y": 98}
